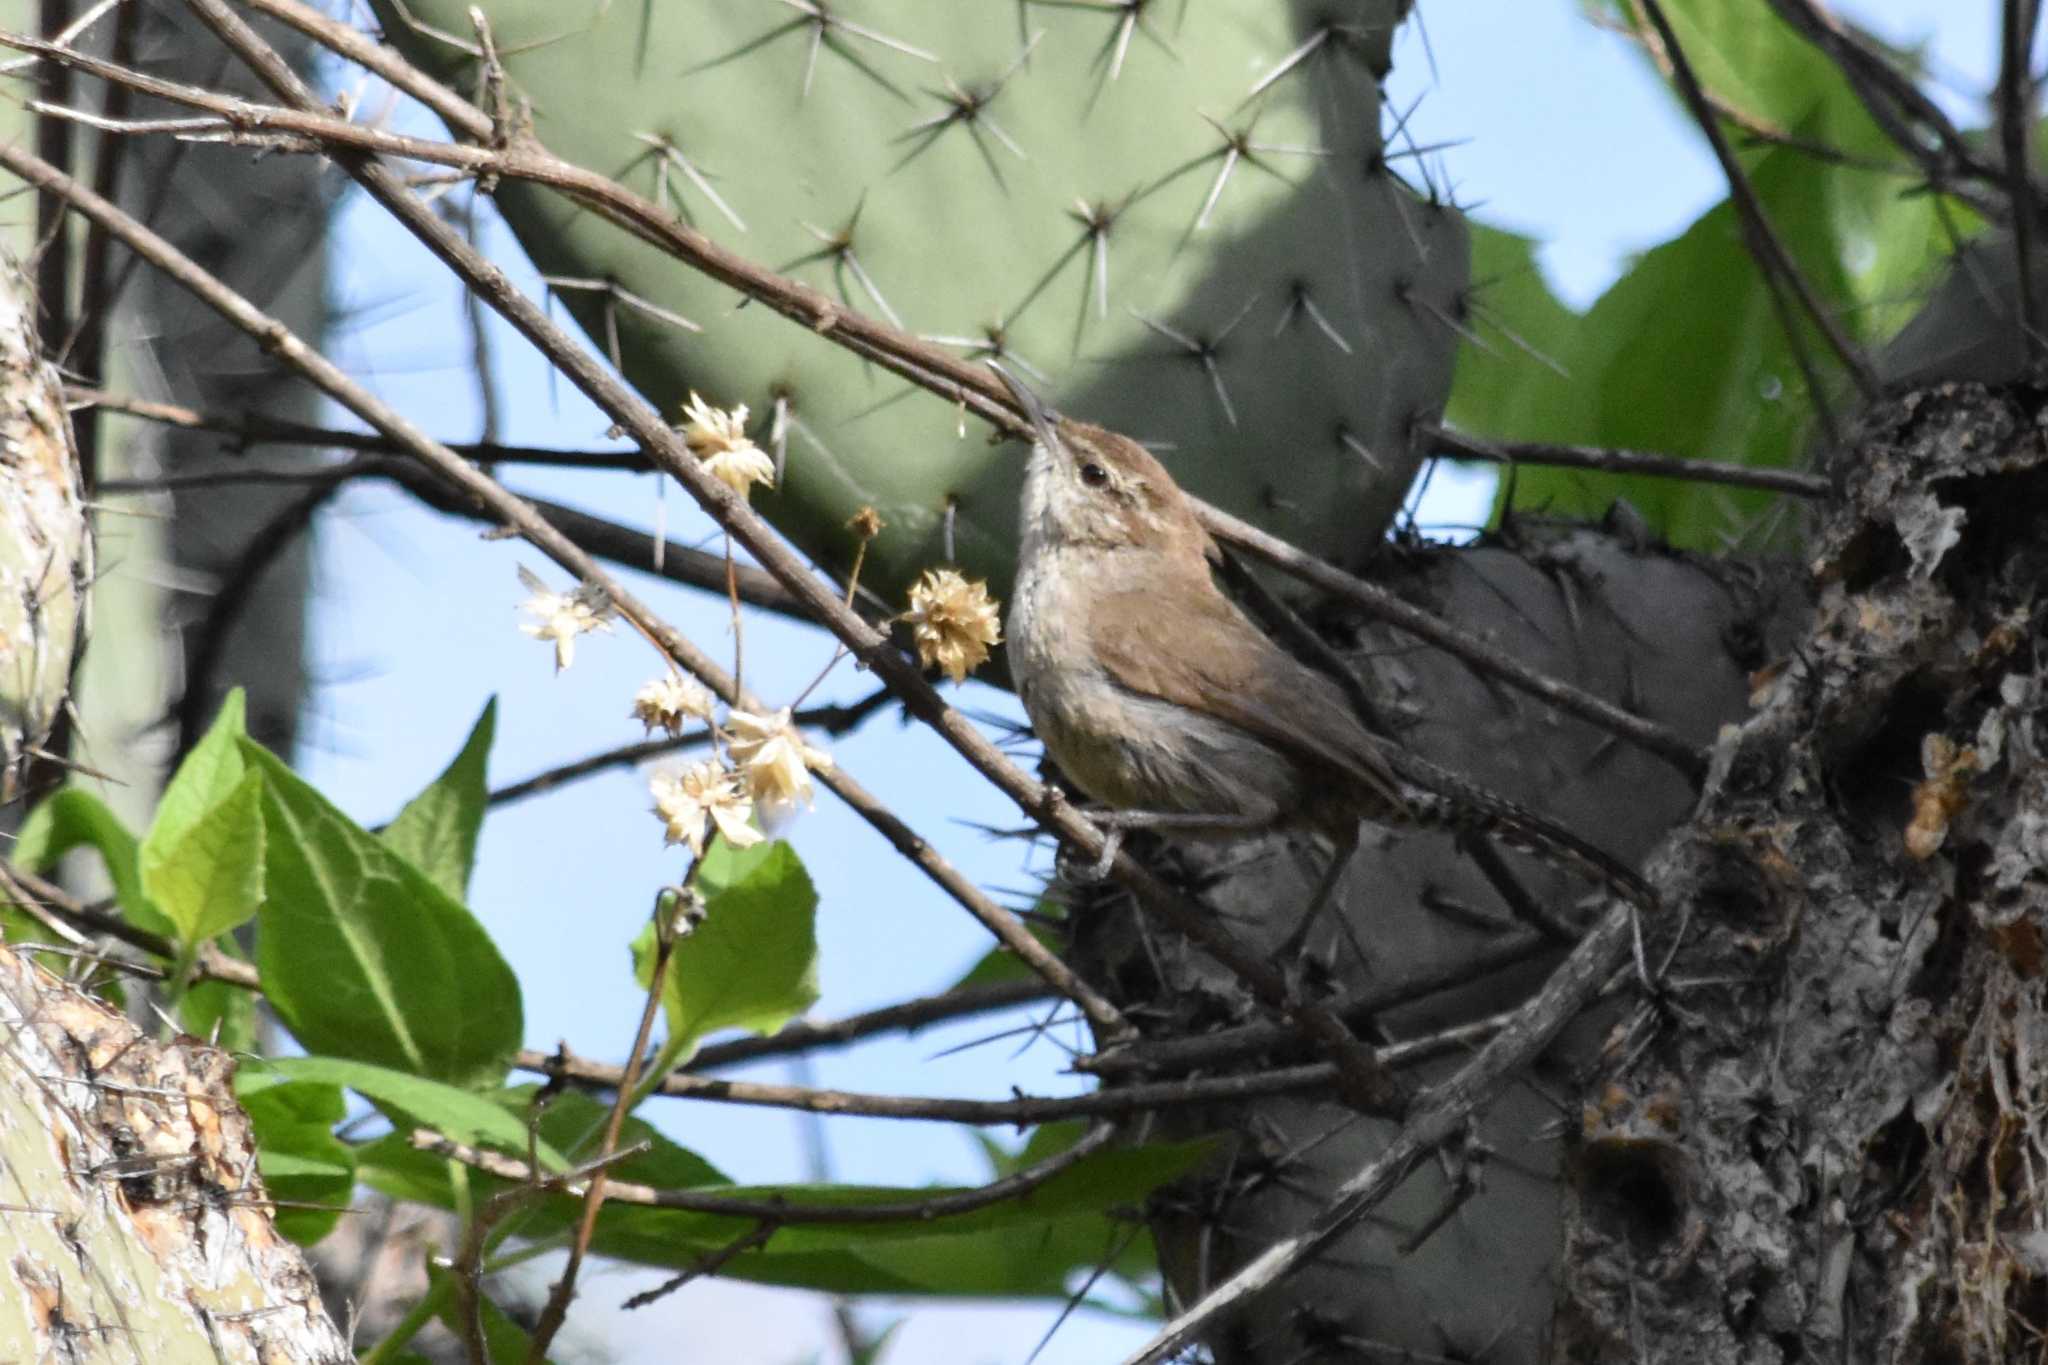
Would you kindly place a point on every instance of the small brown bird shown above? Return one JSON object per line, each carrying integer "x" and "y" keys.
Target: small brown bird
{"x": 1154, "y": 693}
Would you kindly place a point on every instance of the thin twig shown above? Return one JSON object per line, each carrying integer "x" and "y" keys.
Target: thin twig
{"x": 257, "y": 429}
{"x": 1611, "y": 460}
{"x": 1764, "y": 242}
{"x": 468, "y": 1274}
{"x": 211, "y": 965}
{"x": 710, "y": 1263}
{"x": 1217, "y": 1048}
{"x": 926, "y": 1209}
{"x": 1892, "y": 97}
{"x": 832, "y": 720}
{"x": 807, "y": 1035}
{"x": 600, "y": 537}
{"x": 669, "y": 927}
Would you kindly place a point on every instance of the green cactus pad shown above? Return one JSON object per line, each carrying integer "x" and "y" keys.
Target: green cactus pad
{"x": 1173, "y": 218}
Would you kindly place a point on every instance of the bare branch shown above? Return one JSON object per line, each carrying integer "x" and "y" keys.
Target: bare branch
{"x": 31, "y": 892}
{"x": 1022, "y": 1110}
{"x": 806, "y": 1035}
{"x": 1905, "y": 113}
{"x": 248, "y": 429}
{"x": 949, "y": 1204}
{"x": 1612, "y": 460}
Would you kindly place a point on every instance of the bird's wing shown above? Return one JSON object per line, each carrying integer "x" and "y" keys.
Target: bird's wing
{"x": 1186, "y": 643}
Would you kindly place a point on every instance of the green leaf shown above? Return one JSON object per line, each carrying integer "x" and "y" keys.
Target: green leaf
{"x": 208, "y": 878}
{"x": 436, "y": 832}
{"x": 467, "y": 1117}
{"x": 207, "y": 777}
{"x": 753, "y": 962}
{"x": 301, "y": 1160}
{"x": 363, "y": 957}
{"x": 1526, "y": 329}
{"x": 1684, "y": 355}
{"x": 1890, "y": 238}
{"x": 73, "y": 818}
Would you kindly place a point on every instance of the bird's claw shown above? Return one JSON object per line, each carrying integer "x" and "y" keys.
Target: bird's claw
{"x": 1112, "y": 841}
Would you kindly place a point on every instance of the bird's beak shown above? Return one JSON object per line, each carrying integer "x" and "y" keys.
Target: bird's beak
{"x": 1041, "y": 417}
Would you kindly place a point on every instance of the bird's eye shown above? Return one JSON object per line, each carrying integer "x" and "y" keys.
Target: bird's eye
{"x": 1094, "y": 475}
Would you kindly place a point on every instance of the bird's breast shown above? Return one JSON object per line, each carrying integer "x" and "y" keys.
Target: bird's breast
{"x": 1125, "y": 749}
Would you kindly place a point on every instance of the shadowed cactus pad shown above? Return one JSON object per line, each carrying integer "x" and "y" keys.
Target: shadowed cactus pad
{"x": 1174, "y": 218}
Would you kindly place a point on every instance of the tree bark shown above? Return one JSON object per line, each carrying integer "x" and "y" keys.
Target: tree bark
{"x": 1823, "y": 1139}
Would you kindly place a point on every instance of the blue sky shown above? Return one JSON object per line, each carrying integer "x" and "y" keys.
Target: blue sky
{"x": 1569, "y": 139}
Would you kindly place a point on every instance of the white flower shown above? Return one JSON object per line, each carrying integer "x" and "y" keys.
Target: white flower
{"x": 563, "y": 616}
{"x": 774, "y": 759}
{"x": 719, "y": 441}
{"x": 685, "y": 799}
{"x": 666, "y": 703}
{"x": 953, "y": 622}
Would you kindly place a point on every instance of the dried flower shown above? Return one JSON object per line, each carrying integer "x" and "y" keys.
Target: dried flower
{"x": 867, "y": 523}
{"x": 685, "y": 799}
{"x": 774, "y": 758}
{"x": 953, "y": 622}
{"x": 718, "y": 439}
{"x": 563, "y": 616}
{"x": 666, "y": 703}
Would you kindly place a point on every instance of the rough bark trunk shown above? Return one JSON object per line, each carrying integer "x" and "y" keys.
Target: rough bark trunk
{"x": 137, "y": 1227}
{"x": 1823, "y": 1139}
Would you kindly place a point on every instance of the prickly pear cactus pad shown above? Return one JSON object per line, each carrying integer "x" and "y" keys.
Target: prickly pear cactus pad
{"x": 1172, "y": 217}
